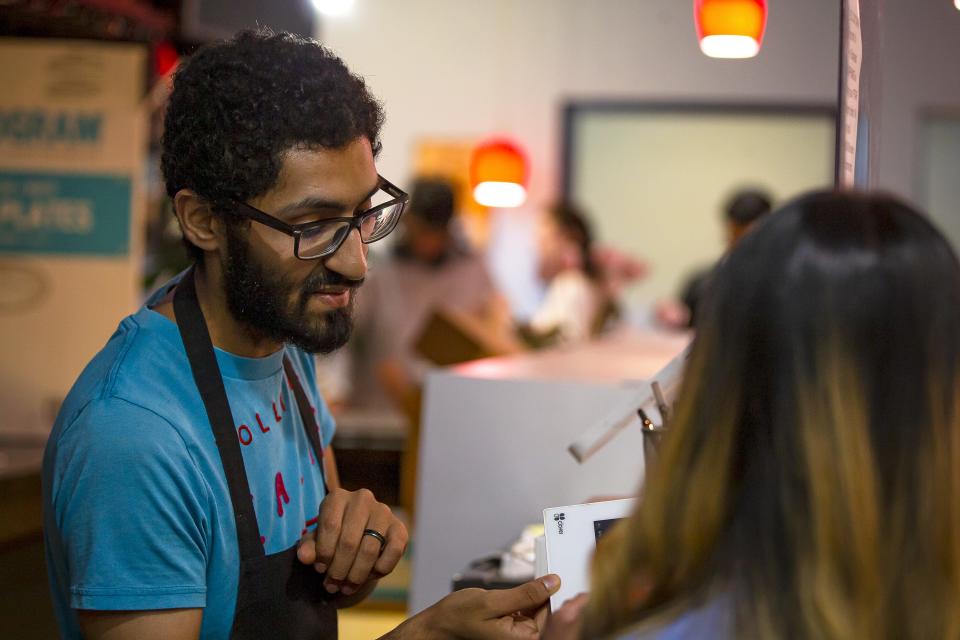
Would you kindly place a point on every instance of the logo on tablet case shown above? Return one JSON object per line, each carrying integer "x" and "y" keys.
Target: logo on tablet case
{"x": 559, "y": 518}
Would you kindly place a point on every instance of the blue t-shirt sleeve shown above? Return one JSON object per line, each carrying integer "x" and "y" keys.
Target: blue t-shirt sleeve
{"x": 131, "y": 511}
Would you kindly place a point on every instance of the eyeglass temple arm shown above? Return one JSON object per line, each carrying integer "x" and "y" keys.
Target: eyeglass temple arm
{"x": 270, "y": 221}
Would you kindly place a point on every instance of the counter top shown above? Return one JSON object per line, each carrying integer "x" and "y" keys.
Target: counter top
{"x": 619, "y": 357}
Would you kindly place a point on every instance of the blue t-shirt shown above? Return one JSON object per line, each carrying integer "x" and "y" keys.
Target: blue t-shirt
{"x": 137, "y": 512}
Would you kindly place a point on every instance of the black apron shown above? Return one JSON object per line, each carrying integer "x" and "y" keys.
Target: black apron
{"x": 278, "y": 596}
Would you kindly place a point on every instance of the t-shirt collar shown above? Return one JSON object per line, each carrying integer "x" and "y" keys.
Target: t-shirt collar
{"x": 231, "y": 365}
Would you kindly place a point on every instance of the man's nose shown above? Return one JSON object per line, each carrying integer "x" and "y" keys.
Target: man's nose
{"x": 350, "y": 260}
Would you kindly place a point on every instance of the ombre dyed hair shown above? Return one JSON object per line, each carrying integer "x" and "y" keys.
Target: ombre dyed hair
{"x": 810, "y": 479}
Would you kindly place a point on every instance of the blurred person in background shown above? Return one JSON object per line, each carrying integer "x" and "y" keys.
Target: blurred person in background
{"x": 744, "y": 209}
{"x": 809, "y": 483}
{"x": 431, "y": 268}
{"x": 182, "y": 479}
{"x": 576, "y": 305}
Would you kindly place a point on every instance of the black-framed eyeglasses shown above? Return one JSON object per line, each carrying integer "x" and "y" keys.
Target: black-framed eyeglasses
{"x": 322, "y": 238}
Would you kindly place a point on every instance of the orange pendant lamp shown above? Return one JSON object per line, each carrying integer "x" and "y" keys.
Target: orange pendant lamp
{"x": 498, "y": 174}
{"x": 730, "y": 28}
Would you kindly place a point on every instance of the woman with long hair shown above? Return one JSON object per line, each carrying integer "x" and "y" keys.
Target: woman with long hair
{"x": 809, "y": 482}
{"x": 575, "y": 302}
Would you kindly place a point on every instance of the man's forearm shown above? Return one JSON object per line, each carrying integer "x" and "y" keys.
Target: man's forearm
{"x": 419, "y": 627}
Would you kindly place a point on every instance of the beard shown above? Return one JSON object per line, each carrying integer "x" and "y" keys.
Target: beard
{"x": 273, "y": 307}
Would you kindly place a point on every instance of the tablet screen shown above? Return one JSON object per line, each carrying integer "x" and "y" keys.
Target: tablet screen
{"x": 600, "y": 526}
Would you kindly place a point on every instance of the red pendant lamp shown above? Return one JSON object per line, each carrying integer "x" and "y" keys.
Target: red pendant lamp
{"x": 165, "y": 59}
{"x": 730, "y": 28}
{"x": 498, "y": 174}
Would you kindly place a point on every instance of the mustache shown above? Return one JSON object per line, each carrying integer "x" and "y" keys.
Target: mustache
{"x": 324, "y": 278}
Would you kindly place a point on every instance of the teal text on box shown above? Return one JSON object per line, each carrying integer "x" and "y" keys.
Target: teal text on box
{"x": 64, "y": 213}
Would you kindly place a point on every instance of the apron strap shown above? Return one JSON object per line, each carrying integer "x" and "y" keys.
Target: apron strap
{"x": 206, "y": 374}
{"x": 308, "y": 417}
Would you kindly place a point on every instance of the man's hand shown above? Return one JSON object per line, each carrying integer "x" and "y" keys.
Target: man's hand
{"x": 339, "y": 547}
{"x": 475, "y": 614}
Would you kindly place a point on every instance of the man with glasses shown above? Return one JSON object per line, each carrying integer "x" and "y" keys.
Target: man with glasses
{"x": 183, "y": 475}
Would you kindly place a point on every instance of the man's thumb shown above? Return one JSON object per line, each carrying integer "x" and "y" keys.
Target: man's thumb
{"x": 527, "y": 597}
{"x": 550, "y": 582}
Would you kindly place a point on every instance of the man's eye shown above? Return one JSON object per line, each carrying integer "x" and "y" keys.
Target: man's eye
{"x": 308, "y": 218}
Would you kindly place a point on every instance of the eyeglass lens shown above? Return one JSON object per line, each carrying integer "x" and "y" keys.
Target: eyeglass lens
{"x": 325, "y": 239}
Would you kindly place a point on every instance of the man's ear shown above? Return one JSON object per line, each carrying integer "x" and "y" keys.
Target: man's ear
{"x": 200, "y": 225}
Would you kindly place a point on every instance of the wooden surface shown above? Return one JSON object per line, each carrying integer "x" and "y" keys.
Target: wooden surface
{"x": 21, "y": 455}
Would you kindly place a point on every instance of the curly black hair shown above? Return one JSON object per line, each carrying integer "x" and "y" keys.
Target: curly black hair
{"x": 238, "y": 105}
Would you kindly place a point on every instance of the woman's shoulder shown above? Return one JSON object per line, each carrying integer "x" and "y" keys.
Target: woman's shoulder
{"x": 572, "y": 278}
{"x": 573, "y": 285}
{"x": 711, "y": 621}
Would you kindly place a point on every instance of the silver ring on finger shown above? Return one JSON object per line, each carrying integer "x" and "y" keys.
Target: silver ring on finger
{"x": 376, "y": 535}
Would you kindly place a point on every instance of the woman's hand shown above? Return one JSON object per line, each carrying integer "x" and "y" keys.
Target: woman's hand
{"x": 565, "y": 623}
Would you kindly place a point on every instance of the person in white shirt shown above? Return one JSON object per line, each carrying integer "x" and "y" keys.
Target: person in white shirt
{"x": 571, "y": 310}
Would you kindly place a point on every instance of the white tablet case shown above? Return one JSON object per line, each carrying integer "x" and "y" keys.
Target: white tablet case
{"x": 572, "y": 533}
